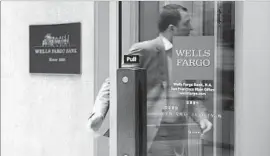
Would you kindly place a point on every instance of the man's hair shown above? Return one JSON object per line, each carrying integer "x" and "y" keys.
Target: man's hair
{"x": 170, "y": 15}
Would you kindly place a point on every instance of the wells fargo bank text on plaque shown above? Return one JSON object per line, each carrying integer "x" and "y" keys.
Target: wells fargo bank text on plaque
{"x": 55, "y": 48}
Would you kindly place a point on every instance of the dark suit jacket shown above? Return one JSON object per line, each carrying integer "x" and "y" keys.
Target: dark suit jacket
{"x": 153, "y": 58}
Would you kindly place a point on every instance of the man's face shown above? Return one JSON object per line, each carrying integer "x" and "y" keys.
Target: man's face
{"x": 184, "y": 26}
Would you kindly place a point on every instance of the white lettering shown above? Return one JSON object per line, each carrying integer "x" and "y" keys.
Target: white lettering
{"x": 193, "y": 63}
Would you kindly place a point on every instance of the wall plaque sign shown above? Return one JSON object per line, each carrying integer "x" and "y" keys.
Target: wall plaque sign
{"x": 55, "y": 48}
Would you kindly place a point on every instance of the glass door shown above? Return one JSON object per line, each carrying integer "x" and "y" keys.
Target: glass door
{"x": 208, "y": 19}
{"x": 136, "y": 28}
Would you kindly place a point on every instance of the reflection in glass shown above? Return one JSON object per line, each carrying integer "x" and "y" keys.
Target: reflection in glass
{"x": 173, "y": 137}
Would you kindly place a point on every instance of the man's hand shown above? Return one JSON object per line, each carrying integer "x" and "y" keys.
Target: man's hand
{"x": 205, "y": 125}
{"x": 95, "y": 121}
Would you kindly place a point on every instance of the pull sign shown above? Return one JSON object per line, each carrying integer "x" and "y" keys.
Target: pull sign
{"x": 131, "y": 59}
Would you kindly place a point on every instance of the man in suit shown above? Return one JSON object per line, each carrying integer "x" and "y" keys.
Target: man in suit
{"x": 163, "y": 137}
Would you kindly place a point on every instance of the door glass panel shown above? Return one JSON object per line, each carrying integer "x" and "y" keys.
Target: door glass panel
{"x": 172, "y": 130}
